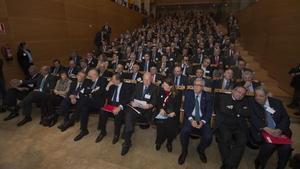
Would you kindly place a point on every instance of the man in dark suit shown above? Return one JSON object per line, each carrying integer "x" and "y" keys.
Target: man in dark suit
{"x": 147, "y": 63}
{"x": 45, "y": 84}
{"x": 156, "y": 78}
{"x": 73, "y": 69}
{"x": 232, "y": 112}
{"x": 239, "y": 70}
{"x": 102, "y": 69}
{"x": 269, "y": 115}
{"x": 248, "y": 81}
{"x": 205, "y": 66}
{"x": 295, "y": 83}
{"x": 75, "y": 57}
{"x": 20, "y": 89}
{"x": 92, "y": 100}
{"x": 141, "y": 106}
{"x": 135, "y": 75}
{"x": 197, "y": 113}
{"x": 84, "y": 66}
{"x": 226, "y": 82}
{"x": 179, "y": 79}
{"x": 56, "y": 68}
{"x": 199, "y": 75}
{"x": 91, "y": 60}
{"x": 70, "y": 100}
{"x": 118, "y": 95}
{"x": 186, "y": 67}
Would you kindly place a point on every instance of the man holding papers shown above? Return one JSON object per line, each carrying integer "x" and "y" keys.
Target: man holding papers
{"x": 118, "y": 95}
{"x": 197, "y": 115}
{"x": 270, "y": 119}
{"x": 140, "y": 108}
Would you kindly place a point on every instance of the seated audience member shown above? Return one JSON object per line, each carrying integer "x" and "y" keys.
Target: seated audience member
{"x": 141, "y": 106}
{"x": 226, "y": 82}
{"x": 199, "y": 75}
{"x": 84, "y": 66}
{"x": 120, "y": 69}
{"x": 239, "y": 70}
{"x": 167, "y": 117}
{"x": 156, "y": 78}
{"x": 102, "y": 69}
{"x": 135, "y": 74}
{"x": 114, "y": 62}
{"x": 232, "y": 112}
{"x": 164, "y": 66}
{"x": 49, "y": 102}
{"x": 92, "y": 100}
{"x": 205, "y": 66}
{"x": 197, "y": 114}
{"x": 248, "y": 81}
{"x": 45, "y": 85}
{"x": 131, "y": 61}
{"x": 56, "y": 68}
{"x": 19, "y": 90}
{"x": 75, "y": 57}
{"x": 71, "y": 99}
{"x": 270, "y": 116}
{"x": 146, "y": 64}
{"x": 179, "y": 78}
{"x": 118, "y": 95}
{"x": 91, "y": 60}
{"x": 186, "y": 67}
{"x": 73, "y": 69}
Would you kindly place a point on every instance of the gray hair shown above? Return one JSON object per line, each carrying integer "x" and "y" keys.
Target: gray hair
{"x": 263, "y": 89}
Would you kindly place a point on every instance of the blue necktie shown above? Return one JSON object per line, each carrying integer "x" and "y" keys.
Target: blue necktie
{"x": 197, "y": 109}
{"x": 114, "y": 98}
{"x": 269, "y": 119}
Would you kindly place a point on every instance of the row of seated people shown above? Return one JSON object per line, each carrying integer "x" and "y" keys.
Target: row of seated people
{"x": 237, "y": 113}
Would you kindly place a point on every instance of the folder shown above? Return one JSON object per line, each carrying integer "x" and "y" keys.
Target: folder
{"x": 109, "y": 108}
{"x": 283, "y": 139}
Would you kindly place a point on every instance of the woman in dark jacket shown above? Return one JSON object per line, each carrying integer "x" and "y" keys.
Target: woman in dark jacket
{"x": 167, "y": 118}
{"x": 24, "y": 58}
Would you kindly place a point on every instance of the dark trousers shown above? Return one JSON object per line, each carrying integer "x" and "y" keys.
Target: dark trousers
{"x": 232, "y": 143}
{"x": 49, "y": 102}
{"x": 32, "y": 97}
{"x": 63, "y": 110}
{"x": 266, "y": 150}
{"x": 118, "y": 121}
{"x": 166, "y": 130}
{"x": 131, "y": 117}
{"x": 2, "y": 88}
{"x": 205, "y": 132}
{"x": 12, "y": 95}
{"x": 84, "y": 107}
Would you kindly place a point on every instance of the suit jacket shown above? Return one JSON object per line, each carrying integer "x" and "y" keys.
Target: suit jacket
{"x": 31, "y": 82}
{"x": 258, "y": 120}
{"x": 183, "y": 80}
{"x": 232, "y": 113}
{"x": 55, "y": 71}
{"x": 150, "y": 95}
{"x": 92, "y": 63}
{"x": 74, "y": 71}
{"x": 73, "y": 86}
{"x": 124, "y": 95}
{"x": 142, "y": 65}
{"x": 217, "y": 84}
{"x": 96, "y": 94}
{"x": 208, "y": 82}
{"x": 49, "y": 83}
{"x": 130, "y": 76}
{"x": 205, "y": 106}
{"x": 107, "y": 73}
{"x": 255, "y": 84}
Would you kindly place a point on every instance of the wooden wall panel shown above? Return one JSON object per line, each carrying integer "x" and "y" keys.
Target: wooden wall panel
{"x": 54, "y": 28}
{"x": 271, "y": 32}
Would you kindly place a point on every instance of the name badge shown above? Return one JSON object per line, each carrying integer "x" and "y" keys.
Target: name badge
{"x": 147, "y": 96}
{"x": 230, "y": 106}
{"x": 207, "y": 71}
{"x": 270, "y": 110}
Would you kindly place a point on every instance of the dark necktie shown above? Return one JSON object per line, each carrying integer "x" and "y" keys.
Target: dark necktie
{"x": 227, "y": 85}
{"x": 197, "y": 109}
{"x": 145, "y": 91}
{"x": 42, "y": 84}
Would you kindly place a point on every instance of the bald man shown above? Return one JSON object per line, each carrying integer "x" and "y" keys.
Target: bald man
{"x": 146, "y": 92}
